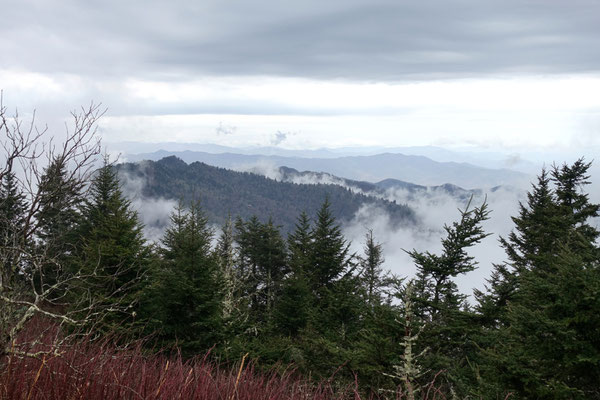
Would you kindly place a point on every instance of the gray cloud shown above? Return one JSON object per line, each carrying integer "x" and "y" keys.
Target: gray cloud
{"x": 154, "y": 213}
{"x": 279, "y": 138}
{"x": 225, "y": 129}
{"x": 350, "y": 39}
{"x": 433, "y": 210}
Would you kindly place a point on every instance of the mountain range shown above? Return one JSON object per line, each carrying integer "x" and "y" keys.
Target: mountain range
{"x": 223, "y": 193}
{"x": 374, "y": 168}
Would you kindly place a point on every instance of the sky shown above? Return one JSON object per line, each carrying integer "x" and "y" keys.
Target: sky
{"x": 515, "y": 75}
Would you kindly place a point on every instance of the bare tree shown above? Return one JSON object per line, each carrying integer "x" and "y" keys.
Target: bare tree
{"x": 25, "y": 259}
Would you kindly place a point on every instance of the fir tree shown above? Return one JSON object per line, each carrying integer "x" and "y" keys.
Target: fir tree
{"x": 549, "y": 346}
{"x": 329, "y": 255}
{"x": 186, "y": 298}
{"x": 111, "y": 248}
{"x": 437, "y": 301}
{"x": 263, "y": 261}
{"x": 294, "y": 308}
{"x": 373, "y": 277}
{"x": 12, "y": 225}
{"x": 60, "y": 196}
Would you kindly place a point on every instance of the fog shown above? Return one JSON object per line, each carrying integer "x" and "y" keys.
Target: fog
{"x": 434, "y": 209}
{"x": 154, "y": 213}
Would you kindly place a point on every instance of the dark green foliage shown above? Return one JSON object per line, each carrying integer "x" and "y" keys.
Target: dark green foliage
{"x": 329, "y": 255}
{"x": 438, "y": 304}
{"x": 184, "y": 301}
{"x": 547, "y": 345}
{"x": 534, "y": 332}
{"x": 373, "y": 277}
{"x": 13, "y": 215}
{"x": 262, "y": 265}
{"x": 60, "y": 196}
{"x": 225, "y": 192}
{"x": 111, "y": 249}
{"x": 296, "y": 304}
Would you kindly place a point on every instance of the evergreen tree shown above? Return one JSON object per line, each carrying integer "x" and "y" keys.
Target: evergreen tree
{"x": 549, "y": 346}
{"x": 186, "y": 297}
{"x": 297, "y": 301}
{"x": 373, "y": 277}
{"x": 299, "y": 244}
{"x": 329, "y": 256}
{"x": 437, "y": 302}
{"x": 337, "y": 288}
{"x": 111, "y": 249}
{"x": 534, "y": 240}
{"x": 12, "y": 224}
{"x": 263, "y": 262}
{"x": 60, "y": 196}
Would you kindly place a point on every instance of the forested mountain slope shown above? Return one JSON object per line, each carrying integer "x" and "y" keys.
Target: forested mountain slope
{"x": 379, "y": 189}
{"x": 224, "y": 192}
{"x": 417, "y": 169}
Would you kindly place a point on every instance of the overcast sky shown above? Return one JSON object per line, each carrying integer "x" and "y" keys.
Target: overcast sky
{"x": 514, "y": 75}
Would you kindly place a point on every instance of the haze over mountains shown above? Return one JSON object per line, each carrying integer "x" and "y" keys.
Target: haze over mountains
{"x": 223, "y": 193}
{"x": 371, "y": 168}
{"x": 404, "y": 198}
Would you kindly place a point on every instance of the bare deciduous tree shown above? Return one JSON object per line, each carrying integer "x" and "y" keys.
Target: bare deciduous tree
{"x": 25, "y": 259}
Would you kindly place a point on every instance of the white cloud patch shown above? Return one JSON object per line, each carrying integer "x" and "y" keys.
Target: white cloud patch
{"x": 154, "y": 213}
{"x": 434, "y": 209}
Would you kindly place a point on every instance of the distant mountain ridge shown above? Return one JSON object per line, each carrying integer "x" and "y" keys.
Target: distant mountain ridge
{"x": 480, "y": 157}
{"x": 409, "y": 168}
{"x": 378, "y": 189}
{"x": 223, "y": 192}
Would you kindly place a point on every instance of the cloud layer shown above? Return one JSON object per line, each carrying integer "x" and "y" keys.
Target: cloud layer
{"x": 350, "y": 39}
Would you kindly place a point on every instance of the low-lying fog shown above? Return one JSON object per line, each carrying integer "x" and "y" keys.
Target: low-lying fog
{"x": 434, "y": 209}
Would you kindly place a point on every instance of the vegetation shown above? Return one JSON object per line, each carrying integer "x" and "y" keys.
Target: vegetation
{"x": 225, "y": 192}
{"x": 72, "y": 252}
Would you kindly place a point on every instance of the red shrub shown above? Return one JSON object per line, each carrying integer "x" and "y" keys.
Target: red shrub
{"x": 100, "y": 371}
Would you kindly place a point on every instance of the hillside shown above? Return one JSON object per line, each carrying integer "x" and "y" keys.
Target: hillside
{"x": 380, "y": 189}
{"x": 224, "y": 192}
{"x": 417, "y": 169}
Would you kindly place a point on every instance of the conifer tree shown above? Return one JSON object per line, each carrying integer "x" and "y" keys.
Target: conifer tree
{"x": 333, "y": 279}
{"x": 438, "y": 303}
{"x": 373, "y": 277}
{"x": 299, "y": 244}
{"x": 329, "y": 257}
{"x": 294, "y": 308}
{"x": 549, "y": 346}
{"x": 60, "y": 196}
{"x": 12, "y": 224}
{"x": 186, "y": 296}
{"x": 111, "y": 248}
{"x": 263, "y": 261}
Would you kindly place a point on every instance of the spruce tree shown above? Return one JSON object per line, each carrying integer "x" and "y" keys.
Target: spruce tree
{"x": 111, "y": 249}
{"x": 263, "y": 261}
{"x": 549, "y": 346}
{"x": 296, "y": 303}
{"x": 12, "y": 224}
{"x": 57, "y": 216}
{"x": 186, "y": 297}
{"x": 330, "y": 257}
{"x": 334, "y": 282}
{"x": 373, "y": 276}
{"x": 439, "y": 305}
